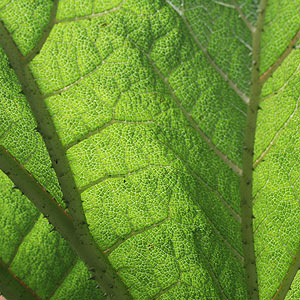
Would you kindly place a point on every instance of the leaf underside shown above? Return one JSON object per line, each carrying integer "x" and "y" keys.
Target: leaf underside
{"x": 151, "y": 100}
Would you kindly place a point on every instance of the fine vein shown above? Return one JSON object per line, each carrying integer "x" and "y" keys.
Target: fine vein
{"x": 45, "y": 35}
{"x": 285, "y": 284}
{"x": 262, "y": 156}
{"x": 224, "y": 157}
{"x": 243, "y": 17}
{"x": 264, "y": 77}
{"x": 26, "y": 233}
{"x": 94, "y": 15}
{"x": 244, "y": 97}
{"x": 67, "y": 272}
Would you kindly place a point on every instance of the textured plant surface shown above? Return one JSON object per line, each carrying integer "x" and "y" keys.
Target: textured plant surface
{"x": 149, "y": 149}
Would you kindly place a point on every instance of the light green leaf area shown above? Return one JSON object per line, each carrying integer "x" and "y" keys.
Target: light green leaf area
{"x": 18, "y": 132}
{"x": 148, "y": 100}
{"x": 41, "y": 259}
{"x": 151, "y": 131}
{"x": 76, "y": 285}
{"x": 13, "y": 226}
{"x": 76, "y": 53}
{"x": 77, "y": 8}
{"x": 26, "y": 21}
{"x": 294, "y": 292}
{"x": 281, "y": 24}
{"x": 248, "y": 7}
{"x": 276, "y": 188}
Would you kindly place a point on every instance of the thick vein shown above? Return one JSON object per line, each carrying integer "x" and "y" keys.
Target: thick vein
{"x": 12, "y": 287}
{"x": 248, "y": 152}
{"x": 59, "y": 218}
{"x": 75, "y": 230}
{"x": 266, "y": 75}
{"x": 265, "y": 152}
{"x": 244, "y": 97}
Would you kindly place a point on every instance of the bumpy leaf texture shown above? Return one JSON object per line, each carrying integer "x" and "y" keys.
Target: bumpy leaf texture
{"x": 154, "y": 105}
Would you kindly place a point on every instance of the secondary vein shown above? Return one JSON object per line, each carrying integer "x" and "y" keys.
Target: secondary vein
{"x": 243, "y": 96}
{"x": 243, "y": 17}
{"x": 266, "y": 75}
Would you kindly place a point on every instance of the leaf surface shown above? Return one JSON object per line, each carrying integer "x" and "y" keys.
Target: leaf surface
{"x": 38, "y": 257}
{"x": 151, "y": 102}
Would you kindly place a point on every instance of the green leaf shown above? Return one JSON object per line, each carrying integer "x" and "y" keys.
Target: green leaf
{"x": 134, "y": 126}
{"x": 36, "y": 256}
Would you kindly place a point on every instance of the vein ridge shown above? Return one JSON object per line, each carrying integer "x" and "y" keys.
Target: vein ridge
{"x": 68, "y": 271}
{"x": 74, "y": 229}
{"x": 93, "y": 15}
{"x": 12, "y": 287}
{"x": 285, "y": 284}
